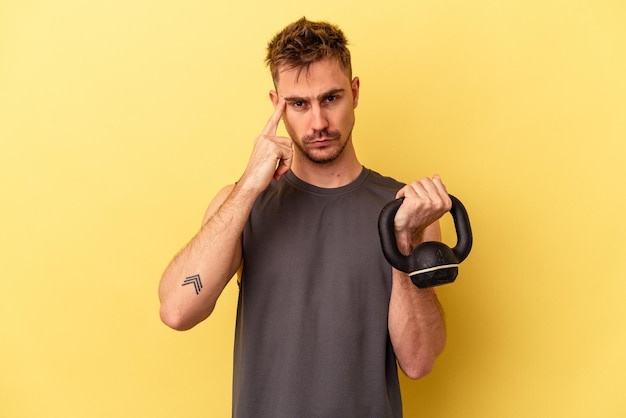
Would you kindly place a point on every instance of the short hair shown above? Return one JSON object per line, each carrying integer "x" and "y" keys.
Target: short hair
{"x": 303, "y": 43}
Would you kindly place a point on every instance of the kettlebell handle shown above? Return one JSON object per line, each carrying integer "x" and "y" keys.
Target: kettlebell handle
{"x": 388, "y": 237}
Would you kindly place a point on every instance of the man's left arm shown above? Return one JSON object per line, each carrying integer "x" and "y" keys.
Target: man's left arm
{"x": 416, "y": 321}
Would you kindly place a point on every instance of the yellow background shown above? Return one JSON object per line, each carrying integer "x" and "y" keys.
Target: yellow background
{"x": 119, "y": 121}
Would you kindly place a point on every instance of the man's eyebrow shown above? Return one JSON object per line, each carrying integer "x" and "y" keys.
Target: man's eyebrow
{"x": 319, "y": 97}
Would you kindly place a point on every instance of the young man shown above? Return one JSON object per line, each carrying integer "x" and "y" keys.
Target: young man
{"x": 322, "y": 317}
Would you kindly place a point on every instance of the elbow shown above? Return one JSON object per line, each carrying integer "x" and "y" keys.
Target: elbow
{"x": 418, "y": 369}
{"x": 420, "y": 365}
{"x": 177, "y": 319}
{"x": 173, "y": 320}
{"x": 180, "y": 313}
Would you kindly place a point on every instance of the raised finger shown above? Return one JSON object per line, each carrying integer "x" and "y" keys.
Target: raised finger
{"x": 272, "y": 123}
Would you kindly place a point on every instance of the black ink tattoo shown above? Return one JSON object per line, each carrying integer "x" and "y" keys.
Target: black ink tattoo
{"x": 195, "y": 280}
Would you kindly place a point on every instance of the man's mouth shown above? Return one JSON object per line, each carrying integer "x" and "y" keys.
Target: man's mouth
{"x": 321, "y": 140}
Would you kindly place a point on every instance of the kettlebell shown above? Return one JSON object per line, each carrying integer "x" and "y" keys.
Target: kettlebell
{"x": 431, "y": 263}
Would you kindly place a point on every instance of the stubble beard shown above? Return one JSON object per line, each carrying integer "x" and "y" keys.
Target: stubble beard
{"x": 338, "y": 143}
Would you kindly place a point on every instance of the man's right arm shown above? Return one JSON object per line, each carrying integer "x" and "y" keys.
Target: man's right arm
{"x": 196, "y": 277}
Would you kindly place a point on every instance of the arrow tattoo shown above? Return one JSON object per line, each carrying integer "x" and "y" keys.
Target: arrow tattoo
{"x": 195, "y": 280}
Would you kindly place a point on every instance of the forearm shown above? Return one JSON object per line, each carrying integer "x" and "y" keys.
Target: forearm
{"x": 214, "y": 254}
{"x": 198, "y": 274}
{"x": 416, "y": 326}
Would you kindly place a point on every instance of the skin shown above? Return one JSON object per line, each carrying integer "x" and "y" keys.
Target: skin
{"x": 319, "y": 117}
{"x": 317, "y": 108}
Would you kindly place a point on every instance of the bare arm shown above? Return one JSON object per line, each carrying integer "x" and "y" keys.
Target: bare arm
{"x": 416, "y": 323}
{"x": 196, "y": 277}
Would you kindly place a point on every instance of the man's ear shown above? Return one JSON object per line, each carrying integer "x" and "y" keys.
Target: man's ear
{"x": 356, "y": 85}
{"x": 274, "y": 97}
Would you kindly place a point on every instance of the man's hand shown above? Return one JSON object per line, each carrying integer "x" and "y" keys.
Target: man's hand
{"x": 425, "y": 201}
{"x": 271, "y": 155}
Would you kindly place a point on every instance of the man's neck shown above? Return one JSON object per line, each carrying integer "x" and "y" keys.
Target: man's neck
{"x": 341, "y": 172}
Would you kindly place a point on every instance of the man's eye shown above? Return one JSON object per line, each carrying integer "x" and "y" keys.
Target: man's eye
{"x": 331, "y": 99}
{"x": 298, "y": 104}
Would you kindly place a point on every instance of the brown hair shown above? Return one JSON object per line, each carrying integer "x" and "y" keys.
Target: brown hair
{"x": 302, "y": 43}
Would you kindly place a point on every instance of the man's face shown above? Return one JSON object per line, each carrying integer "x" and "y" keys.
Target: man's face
{"x": 319, "y": 112}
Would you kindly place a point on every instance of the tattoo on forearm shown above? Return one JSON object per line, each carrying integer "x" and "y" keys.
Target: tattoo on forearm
{"x": 195, "y": 280}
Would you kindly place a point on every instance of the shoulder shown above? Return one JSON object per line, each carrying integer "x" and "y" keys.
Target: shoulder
{"x": 377, "y": 180}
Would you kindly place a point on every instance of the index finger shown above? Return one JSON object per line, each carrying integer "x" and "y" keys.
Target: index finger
{"x": 272, "y": 123}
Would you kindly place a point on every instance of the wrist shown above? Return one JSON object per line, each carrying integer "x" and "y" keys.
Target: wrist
{"x": 248, "y": 185}
{"x": 407, "y": 243}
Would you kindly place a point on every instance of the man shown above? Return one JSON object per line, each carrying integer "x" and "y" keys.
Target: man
{"x": 322, "y": 317}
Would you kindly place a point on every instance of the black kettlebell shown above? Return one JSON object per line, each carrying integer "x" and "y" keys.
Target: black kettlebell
{"x": 431, "y": 263}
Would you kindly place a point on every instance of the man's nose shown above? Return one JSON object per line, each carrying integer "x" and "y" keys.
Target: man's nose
{"x": 319, "y": 121}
